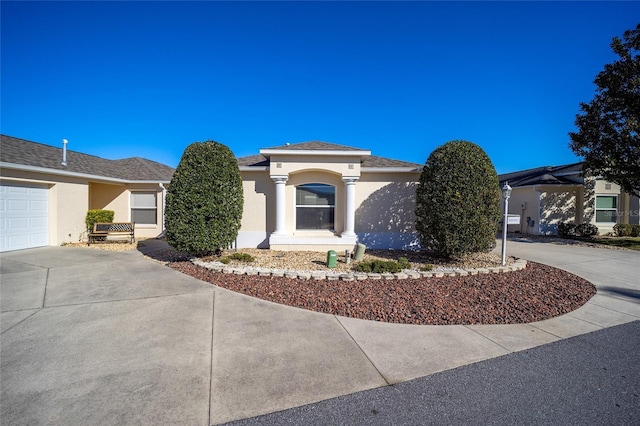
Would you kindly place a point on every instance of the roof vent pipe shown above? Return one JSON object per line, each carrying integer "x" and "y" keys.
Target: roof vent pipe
{"x": 64, "y": 152}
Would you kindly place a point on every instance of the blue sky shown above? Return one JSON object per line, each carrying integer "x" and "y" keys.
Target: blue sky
{"x": 122, "y": 79}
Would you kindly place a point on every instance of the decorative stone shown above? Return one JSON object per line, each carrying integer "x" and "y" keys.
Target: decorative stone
{"x": 334, "y": 276}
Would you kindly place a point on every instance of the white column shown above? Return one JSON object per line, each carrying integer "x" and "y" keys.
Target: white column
{"x": 280, "y": 205}
{"x": 350, "y": 206}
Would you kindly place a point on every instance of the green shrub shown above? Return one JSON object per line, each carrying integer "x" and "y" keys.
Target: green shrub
{"x": 622, "y": 230}
{"x": 404, "y": 263}
{"x": 204, "y": 200}
{"x": 427, "y": 267}
{"x": 587, "y": 230}
{"x": 242, "y": 257}
{"x": 458, "y": 200}
{"x": 378, "y": 266}
{"x": 635, "y": 230}
{"x": 98, "y": 216}
{"x": 566, "y": 229}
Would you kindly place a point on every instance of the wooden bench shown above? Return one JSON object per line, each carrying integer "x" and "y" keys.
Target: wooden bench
{"x": 102, "y": 230}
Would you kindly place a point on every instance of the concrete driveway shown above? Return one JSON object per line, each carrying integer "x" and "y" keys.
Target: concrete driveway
{"x": 94, "y": 337}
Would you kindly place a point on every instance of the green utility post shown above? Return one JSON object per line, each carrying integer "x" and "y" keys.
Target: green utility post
{"x": 332, "y": 259}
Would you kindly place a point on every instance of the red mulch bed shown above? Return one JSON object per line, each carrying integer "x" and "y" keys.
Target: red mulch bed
{"x": 536, "y": 293}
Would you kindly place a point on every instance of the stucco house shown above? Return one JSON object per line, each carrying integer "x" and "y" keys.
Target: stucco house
{"x": 319, "y": 196}
{"x": 546, "y": 196}
{"x": 44, "y": 200}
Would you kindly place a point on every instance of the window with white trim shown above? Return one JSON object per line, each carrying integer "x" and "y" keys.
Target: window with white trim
{"x": 606, "y": 208}
{"x": 315, "y": 206}
{"x": 144, "y": 208}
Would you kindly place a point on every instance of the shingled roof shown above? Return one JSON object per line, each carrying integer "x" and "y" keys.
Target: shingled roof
{"x": 370, "y": 161}
{"x": 316, "y": 146}
{"x": 26, "y": 153}
{"x": 570, "y": 174}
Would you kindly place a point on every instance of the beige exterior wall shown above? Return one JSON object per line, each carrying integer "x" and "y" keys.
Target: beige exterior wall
{"x": 542, "y": 208}
{"x": 109, "y": 197}
{"x": 258, "y": 213}
{"x": 551, "y": 205}
{"x": 557, "y": 205}
{"x": 118, "y": 198}
{"x": 288, "y": 164}
{"x": 71, "y": 202}
{"x": 385, "y": 209}
{"x": 384, "y": 205}
{"x": 70, "y": 198}
{"x": 525, "y": 203}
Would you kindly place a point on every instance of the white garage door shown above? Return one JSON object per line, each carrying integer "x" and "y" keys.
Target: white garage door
{"x": 23, "y": 216}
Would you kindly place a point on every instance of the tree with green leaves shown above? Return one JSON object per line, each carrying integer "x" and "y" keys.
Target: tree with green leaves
{"x": 608, "y": 127}
{"x": 458, "y": 201}
{"x": 204, "y": 200}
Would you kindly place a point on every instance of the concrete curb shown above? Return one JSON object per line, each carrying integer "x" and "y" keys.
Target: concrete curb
{"x": 518, "y": 265}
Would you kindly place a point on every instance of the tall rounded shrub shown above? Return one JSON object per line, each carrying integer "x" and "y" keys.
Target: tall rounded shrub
{"x": 458, "y": 200}
{"x": 204, "y": 200}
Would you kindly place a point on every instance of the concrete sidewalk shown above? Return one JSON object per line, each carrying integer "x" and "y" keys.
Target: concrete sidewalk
{"x": 93, "y": 337}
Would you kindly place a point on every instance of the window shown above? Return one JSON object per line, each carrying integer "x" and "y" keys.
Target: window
{"x": 606, "y": 208}
{"x": 315, "y": 206}
{"x": 144, "y": 208}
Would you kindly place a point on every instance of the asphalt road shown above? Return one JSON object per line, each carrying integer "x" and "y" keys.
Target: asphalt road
{"x": 585, "y": 380}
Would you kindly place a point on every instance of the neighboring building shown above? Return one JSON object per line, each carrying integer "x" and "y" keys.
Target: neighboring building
{"x": 320, "y": 196}
{"x": 547, "y": 196}
{"x": 44, "y": 202}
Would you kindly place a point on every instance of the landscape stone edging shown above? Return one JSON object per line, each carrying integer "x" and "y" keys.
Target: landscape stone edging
{"x": 518, "y": 265}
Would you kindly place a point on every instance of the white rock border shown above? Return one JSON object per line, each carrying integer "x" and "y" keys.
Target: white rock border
{"x": 518, "y": 265}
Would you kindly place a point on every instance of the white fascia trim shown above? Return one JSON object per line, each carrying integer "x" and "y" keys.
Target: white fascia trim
{"x": 363, "y": 169}
{"x": 389, "y": 170}
{"x": 338, "y": 153}
{"x": 56, "y": 172}
{"x": 253, "y": 168}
